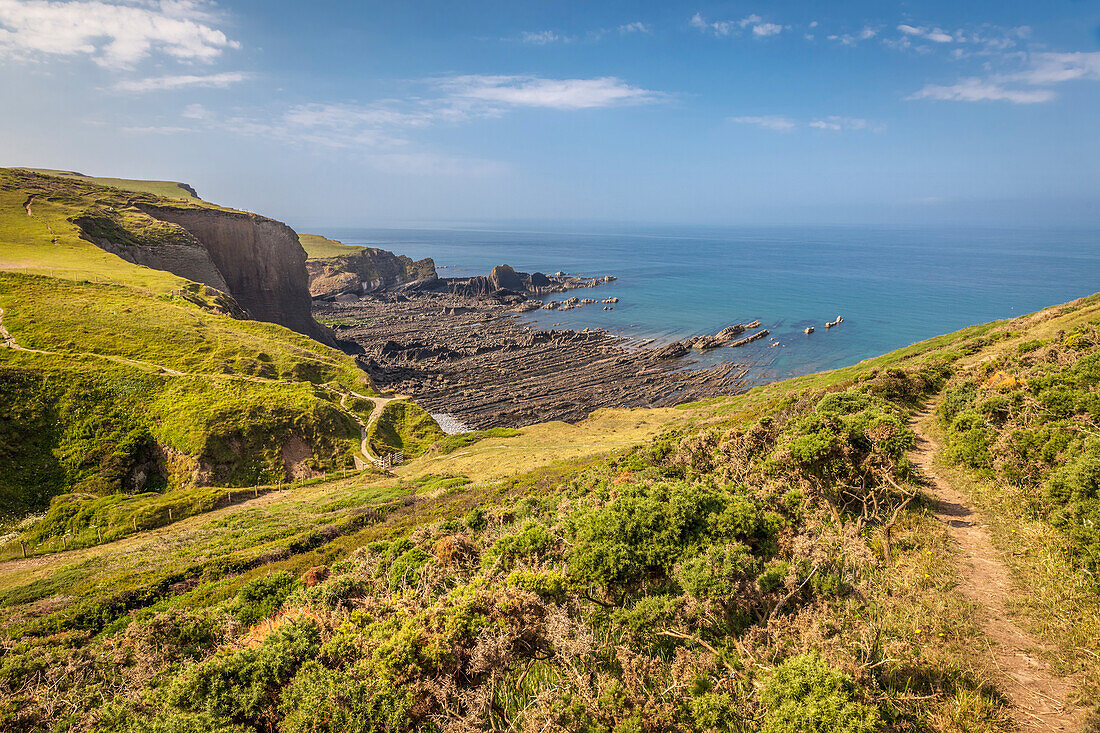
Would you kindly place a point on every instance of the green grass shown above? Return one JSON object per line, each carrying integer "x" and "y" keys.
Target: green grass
{"x": 146, "y": 383}
{"x": 321, "y": 248}
{"x": 403, "y": 426}
{"x": 167, "y": 189}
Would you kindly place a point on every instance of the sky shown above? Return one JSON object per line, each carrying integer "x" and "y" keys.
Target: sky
{"x": 430, "y": 113}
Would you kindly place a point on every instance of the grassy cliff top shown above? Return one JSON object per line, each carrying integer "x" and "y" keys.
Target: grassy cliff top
{"x": 323, "y": 248}
{"x": 166, "y": 189}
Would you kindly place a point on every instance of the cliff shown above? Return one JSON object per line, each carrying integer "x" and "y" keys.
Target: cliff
{"x": 259, "y": 260}
{"x": 258, "y": 263}
{"x": 342, "y": 269}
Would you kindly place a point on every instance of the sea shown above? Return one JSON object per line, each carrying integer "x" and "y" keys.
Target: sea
{"x": 892, "y": 286}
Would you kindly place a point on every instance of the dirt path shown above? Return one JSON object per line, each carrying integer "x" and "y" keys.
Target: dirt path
{"x": 379, "y": 403}
{"x": 27, "y": 206}
{"x": 9, "y": 341}
{"x": 1038, "y": 697}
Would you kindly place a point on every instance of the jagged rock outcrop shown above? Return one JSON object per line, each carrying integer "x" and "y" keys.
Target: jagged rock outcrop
{"x": 502, "y": 280}
{"x": 260, "y": 262}
{"x": 370, "y": 270}
{"x": 725, "y": 337}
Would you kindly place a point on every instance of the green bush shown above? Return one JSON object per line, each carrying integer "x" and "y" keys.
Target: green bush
{"x": 261, "y": 597}
{"x": 969, "y": 440}
{"x": 243, "y": 686}
{"x": 531, "y": 541}
{"x": 320, "y": 700}
{"x": 646, "y": 530}
{"x": 1073, "y": 497}
{"x": 806, "y": 695}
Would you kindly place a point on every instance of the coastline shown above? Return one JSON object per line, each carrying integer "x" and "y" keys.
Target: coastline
{"x": 473, "y": 357}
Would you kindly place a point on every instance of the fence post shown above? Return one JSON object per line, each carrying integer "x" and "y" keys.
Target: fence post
{"x": 99, "y": 533}
{"x": 23, "y": 547}
{"x": 169, "y": 514}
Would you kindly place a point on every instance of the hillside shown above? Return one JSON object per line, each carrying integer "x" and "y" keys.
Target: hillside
{"x": 781, "y": 560}
{"x": 121, "y": 378}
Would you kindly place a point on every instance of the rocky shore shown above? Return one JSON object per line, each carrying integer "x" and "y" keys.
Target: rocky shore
{"x": 458, "y": 347}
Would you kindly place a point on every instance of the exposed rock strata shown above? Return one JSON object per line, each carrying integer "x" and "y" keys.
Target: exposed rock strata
{"x": 470, "y": 357}
{"x": 259, "y": 260}
{"x": 367, "y": 271}
{"x": 503, "y": 280}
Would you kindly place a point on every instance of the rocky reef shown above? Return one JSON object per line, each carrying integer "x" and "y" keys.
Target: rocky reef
{"x": 726, "y": 337}
{"x": 471, "y": 357}
{"x": 502, "y": 280}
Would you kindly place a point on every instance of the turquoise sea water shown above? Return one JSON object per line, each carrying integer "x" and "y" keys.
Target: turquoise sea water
{"x": 893, "y": 286}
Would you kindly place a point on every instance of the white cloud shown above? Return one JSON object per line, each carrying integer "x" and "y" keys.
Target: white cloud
{"x": 980, "y": 90}
{"x": 1026, "y": 86}
{"x": 532, "y": 91}
{"x": 635, "y": 27}
{"x": 837, "y": 124}
{"x": 766, "y": 29}
{"x": 722, "y": 28}
{"x": 158, "y": 130}
{"x": 851, "y": 39}
{"x": 936, "y": 35}
{"x": 1054, "y": 68}
{"x": 161, "y": 83}
{"x": 767, "y": 122}
{"x": 114, "y": 33}
{"x": 539, "y": 38}
{"x": 386, "y": 127}
{"x": 195, "y": 112}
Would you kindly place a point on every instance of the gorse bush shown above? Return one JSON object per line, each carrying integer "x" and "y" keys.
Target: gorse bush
{"x": 806, "y": 695}
{"x": 644, "y": 532}
{"x": 261, "y": 597}
{"x": 1072, "y": 494}
{"x": 243, "y": 686}
{"x": 1030, "y": 419}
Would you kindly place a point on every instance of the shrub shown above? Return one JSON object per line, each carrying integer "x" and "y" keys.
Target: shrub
{"x": 243, "y": 686}
{"x": 806, "y": 695}
{"x": 319, "y": 700}
{"x": 647, "y": 529}
{"x": 1073, "y": 496}
{"x": 260, "y": 597}
{"x": 969, "y": 439}
{"x": 531, "y": 541}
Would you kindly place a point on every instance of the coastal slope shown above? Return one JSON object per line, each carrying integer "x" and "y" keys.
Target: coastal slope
{"x": 783, "y": 559}
{"x": 130, "y": 363}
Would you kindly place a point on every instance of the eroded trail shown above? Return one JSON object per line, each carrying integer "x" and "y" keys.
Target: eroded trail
{"x": 1039, "y": 698}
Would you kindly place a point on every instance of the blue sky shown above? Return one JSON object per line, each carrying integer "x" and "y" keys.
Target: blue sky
{"x": 379, "y": 113}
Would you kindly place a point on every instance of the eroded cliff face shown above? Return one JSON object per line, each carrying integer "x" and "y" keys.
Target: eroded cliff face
{"x": 260, "y": 261}
{"x": 368, "y": 271}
